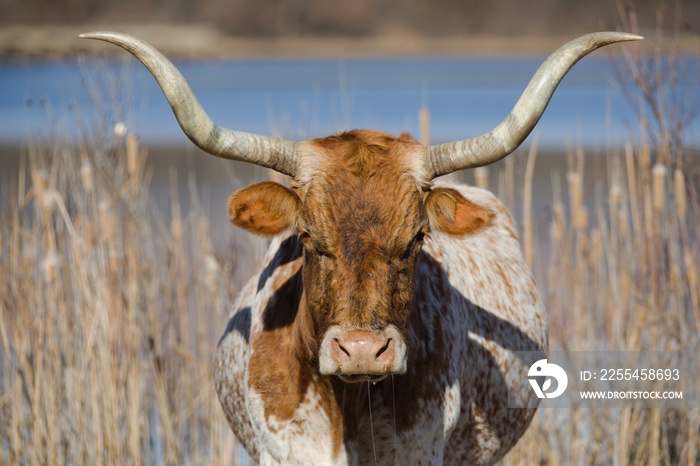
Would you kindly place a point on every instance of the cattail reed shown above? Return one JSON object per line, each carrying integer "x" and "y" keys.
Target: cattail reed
{"x": 580, "y": 220}
{"x": 86, "y": 177}
{"x": 679, "y": 193}
{"x": 107, "y": 224}
{"x": 49, "y": 200}
{"x": 622, "y": 221}
{"x": 632, "y": 187}
{"x": 558, "y": 226}
{"x": 528, "y": 229}
{"x": 659, "y": 183}
{"x": 39, "y": 181}
{"x": 481, "y": 177}
{"x": 176, "y": 227}
{"x": 424, "y": 122}
{"x": 49, "y": 267}
{"x": 573, "y": 181}
{"x": 211, "y": 266}
{"x": 615, "y": 196}
{"x": 132, "y": 153}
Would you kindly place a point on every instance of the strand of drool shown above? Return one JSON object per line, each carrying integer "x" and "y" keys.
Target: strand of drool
{"x": 371, "y": 426}
{"x": 393, "y": 401}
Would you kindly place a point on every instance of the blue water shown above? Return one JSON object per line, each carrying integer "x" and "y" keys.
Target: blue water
{"x": 301, "y": 99}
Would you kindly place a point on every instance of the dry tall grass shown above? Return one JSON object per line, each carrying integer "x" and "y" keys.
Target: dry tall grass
{"x": 621, "y": 275}
{"x": 107, "y": 318}
{"x": 622, "y": 271}
{"x": 109, "y": 315}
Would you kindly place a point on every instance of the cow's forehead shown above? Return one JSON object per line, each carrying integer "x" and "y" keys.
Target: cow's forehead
{"x": 365, "y": 186}
{"x": 364, "y": 154}
{"x": 386, "y": 214}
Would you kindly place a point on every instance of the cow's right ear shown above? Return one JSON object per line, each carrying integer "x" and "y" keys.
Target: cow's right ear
{"x": 452, "y": 213}
{"x": 265, "y": 208}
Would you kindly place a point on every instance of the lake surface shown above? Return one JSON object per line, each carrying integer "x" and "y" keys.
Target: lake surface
{"x": 301, "y": 99}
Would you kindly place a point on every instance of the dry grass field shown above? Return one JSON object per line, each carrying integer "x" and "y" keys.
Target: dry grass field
{"x": 108, "y": 318}
{"x": 110, "y": 315}
{"x": 621, "y": 275}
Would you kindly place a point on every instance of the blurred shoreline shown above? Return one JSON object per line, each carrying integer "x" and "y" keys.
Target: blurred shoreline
{"x": 200, "y": 41}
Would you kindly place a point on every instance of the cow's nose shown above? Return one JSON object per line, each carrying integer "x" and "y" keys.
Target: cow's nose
{"x": 360, "y": 355}
{"x": 363, "y": 352}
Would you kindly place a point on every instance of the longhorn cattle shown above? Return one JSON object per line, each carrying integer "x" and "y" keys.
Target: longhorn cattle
{"x": 386, "y": 323}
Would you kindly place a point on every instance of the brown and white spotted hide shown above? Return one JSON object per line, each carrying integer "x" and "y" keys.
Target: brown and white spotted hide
{"x": 429, "y": 277}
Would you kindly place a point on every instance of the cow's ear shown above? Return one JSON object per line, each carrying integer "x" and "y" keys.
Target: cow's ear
{"x": 452, "y": 213}
{"x": 407, "y": 137}
{"x": 265, "y": 208}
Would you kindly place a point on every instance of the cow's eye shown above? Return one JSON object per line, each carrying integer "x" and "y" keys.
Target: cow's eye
{"x": 306, "y": 238}
{"x": 313, "y": 246}
{"x": 415, "y": 243}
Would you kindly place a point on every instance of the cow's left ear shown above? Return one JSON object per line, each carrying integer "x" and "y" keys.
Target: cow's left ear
{"x": 407, "y": 137}
{"x": 452, "y": 213}
{"x": 265, "y": 208}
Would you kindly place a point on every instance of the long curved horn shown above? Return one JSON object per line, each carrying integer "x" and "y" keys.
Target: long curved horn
{"x": 274, "y": 153}
{"x": 512, "y": 131}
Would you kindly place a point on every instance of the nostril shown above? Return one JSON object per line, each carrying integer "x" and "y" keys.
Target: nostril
{"x": 383, "y": 349}
{"x": 337, "y": 342}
